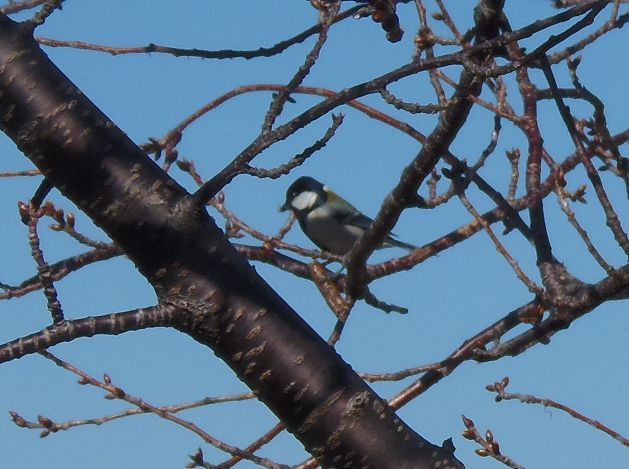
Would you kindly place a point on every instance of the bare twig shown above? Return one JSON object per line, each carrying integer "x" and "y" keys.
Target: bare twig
{"x": 610, "y": 214}
{"x": 60, "y": 269}
{"x": 532, "y": 286}
{"x": 201, "y": 53}
{"x": 54, "y": 427}
{"x": 327, "y": 13}
{"x": 115, "y": 392}
{"x": 256, "y": 445}
{"x": 412, "y": 108}
{"x": 26, "y": 172}
{"x": 565, "y": 207}
{"x": 502, "y": 395}
{"x": 401, "y": 374}
{"x": 489, "y": 445}
{"x": 299, "y": 159}
{"x": 68, "y": 330}
{"x": 31, "y": 213}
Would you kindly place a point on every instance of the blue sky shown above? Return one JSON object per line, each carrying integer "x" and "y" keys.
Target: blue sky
{"x": 449, "y": 297}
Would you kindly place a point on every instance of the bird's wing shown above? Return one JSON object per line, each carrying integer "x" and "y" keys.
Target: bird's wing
{"x": 364, "y": 222}
{"x": 345, "y": 212}
{"x": 358, "y": 219}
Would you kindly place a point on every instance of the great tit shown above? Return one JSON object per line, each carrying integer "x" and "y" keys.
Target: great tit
{"x": 330, "y": 222}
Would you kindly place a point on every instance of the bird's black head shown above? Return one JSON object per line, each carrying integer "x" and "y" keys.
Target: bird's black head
{"x": 303, "y": 194}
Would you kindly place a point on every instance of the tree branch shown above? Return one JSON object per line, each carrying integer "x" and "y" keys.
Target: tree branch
{"x": 68, "y": 330}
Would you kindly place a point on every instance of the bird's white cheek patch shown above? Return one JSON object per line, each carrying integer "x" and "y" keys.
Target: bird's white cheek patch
{"x": 304, "y": 200}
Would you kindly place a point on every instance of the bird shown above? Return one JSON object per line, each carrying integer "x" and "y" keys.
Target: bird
{"x": 328, "y": 220}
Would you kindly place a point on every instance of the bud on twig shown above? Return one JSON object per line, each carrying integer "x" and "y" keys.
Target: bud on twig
{"x": 467, "y": 422}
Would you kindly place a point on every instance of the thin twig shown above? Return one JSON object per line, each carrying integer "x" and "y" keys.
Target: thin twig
{"x": 201, "y": 53}
{"x": 532, "y": 286}
{"x": 299, "y": 159}
{"x": 54, "y": 427}
{"x": 412, "y": 108}
{"x": 26, "y": 172}
{"x": 489, "y": 445}
{"x": 610, "y": 214}
{"x": 31, "y": 213}
{"x": 502, "y": 395}
{"x": 565, "y": 207}
{"x": 256, "y": 445}
{"x": 115, "y": 392}
{"x": 60, "y": 269}
{"x": 401, "y": 374}
{"x": 327, "y": 14}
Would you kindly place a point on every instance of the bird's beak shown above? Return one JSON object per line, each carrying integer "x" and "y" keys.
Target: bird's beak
{"x": 284, "y": 207}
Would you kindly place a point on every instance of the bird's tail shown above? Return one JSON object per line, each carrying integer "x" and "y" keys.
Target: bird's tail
{"x": 399, "y": 244}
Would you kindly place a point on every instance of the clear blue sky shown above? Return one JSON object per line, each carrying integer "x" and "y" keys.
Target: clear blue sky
{"x": 450, "y": 297}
